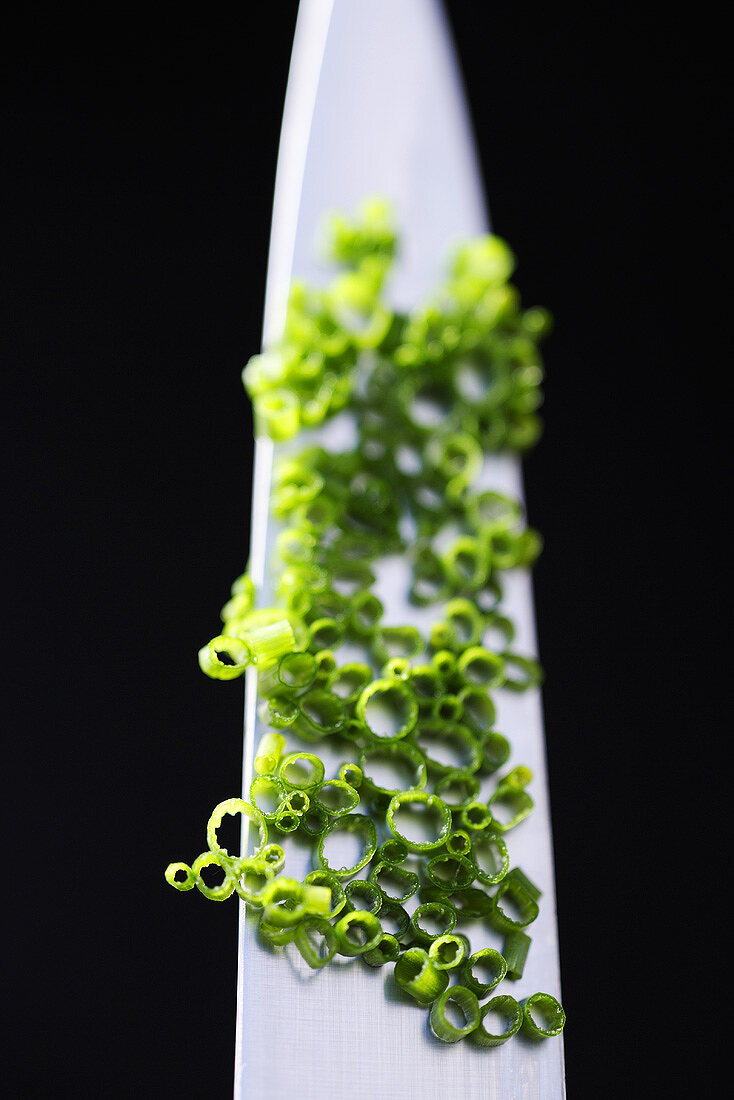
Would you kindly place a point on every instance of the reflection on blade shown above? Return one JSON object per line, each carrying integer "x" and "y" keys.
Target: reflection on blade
{"x": 375, "y": 106}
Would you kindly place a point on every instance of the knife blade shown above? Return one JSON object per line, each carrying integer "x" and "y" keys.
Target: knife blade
{"x": 375, "y": 106}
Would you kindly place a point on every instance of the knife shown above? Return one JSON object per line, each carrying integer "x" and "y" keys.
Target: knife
{"x": 374, "y": 106}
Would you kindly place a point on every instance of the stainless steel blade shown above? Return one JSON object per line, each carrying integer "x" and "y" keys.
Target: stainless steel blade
{"x": 375, "y": 106}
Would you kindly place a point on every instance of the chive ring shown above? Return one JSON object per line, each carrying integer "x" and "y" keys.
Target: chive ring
{"x": 448, "y": 951}
{"x": 293, "y": 766}
{"x": 352, "y": 823}
{"x": 272, "y": 790}
{"x": 507, "y": 1008}
{"x": 235, "y": 806}
{"x": 364, "y": 892}
{"x": 553, "y": 1016}
{"x": 467, "y": 1002}
{"x": 311, "y": 953}
{"x": 336, "y": 797}
{"x": 358, "y": 923}
{"x": 450, "y": 871}
{"x": 431, "y": 802}
{"x": 399, "y": 879}
{"x": 441, "y": 912}
{"x": 213, "y": 859}
{"x": 491, "y": 959}
{"x": 416, "y": 974}
{"x": 388, "y": 709}
{"x": 225, "y": 658}
{"x": 386, "y": 950}
{"x": 338, "y": 895}
{"x": 395, "y": 754}
{"x": 175, "y": 869}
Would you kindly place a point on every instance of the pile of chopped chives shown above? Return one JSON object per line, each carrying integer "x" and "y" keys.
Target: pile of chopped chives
{"x": 431, "y": 393}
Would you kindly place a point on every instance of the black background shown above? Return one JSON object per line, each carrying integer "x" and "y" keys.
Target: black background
{"x": 137, "y": 220}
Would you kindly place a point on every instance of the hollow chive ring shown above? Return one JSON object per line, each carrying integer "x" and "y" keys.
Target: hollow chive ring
{"x": 477, "y": 667}
{"x": 367, "y": 893}
{"x": 440, "y": 910}
{"x": 286, "y": 901}
{"x": 435, "y": 731}
{"x": 352, "y": 823}
{"x": 471, "y": 902}
{"x": 388, "y": 691}
{"x": 274, "y": 856}
{"x": 441, "y": 1027}
{"x": 244, "y": 870}
{"x": 408, "y": 879}
{"x": 468, "y": 788}
{"x": 352, "y": 774}
{"x": 365, "y": 612}
{"x": 465, "y": 621}
{"x": 320, "y": 713}
{"x": 294, "y": 672}
{"x": 280, "y": 712}
{"x": 451, "y": 872}
{"x": 286, "y": 820}
{"x": 500, "y": 856}
{"x": 458, "y": 843}
{"x": 517, "y": 799}
{"x": 478, "y": 711}
{"x": 358, "y": 919}
{"x": 448, "y": 709}
{"x": 428, "y": 686}
{"x": 507, "y": 1007}
{"x": 303, "y": 941}
{"x": 313, "y": 821}
{"x": 395, "y": 751}
{"x": 393, "y": 911}
{"x": 523, "y": 901}
{"x": 338, "y": 895}
{"x": 393, "y": 851}
{"x": 298, "y": 802}
{"x": 475, "y": 816}
{"x": 447, "y": 952}
{"x": 397, "y": 668}
{"x": 213, "y": 859}
{"x": 467, "y": 562}
{"x": 268, "y": 785}
{"x": 495, "y": 751}
{"x": 277, "y": 937}
{"x": 531, "y": 674}
{"x": 235, "y": 806}
{"x": 387, "y": 950}
{"x": 488, "y": 956}
{"x": 345, "y": 792}
{"x": 173, "y": 869}
{"x": 349, "y": 681}
{"x": 516, "y": 779}
{"x": 325, "y": 668}
{"x": 431, "y": 801}
{"x": 314, "y": 779}
{"x": 283, "y": 903}
{"x": 325, "y": 634}
{"x": 444, "y": 661}
{"x": 356, "y": 732}
{"x": 225, "y": 658}
{"x": 551, "y": 1009}
{"x": 417, "y": 975}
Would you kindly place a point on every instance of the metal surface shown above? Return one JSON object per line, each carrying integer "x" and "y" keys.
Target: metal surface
{"x": 375, "y": 106}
